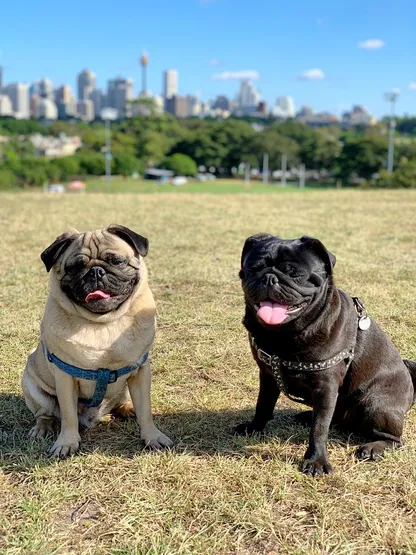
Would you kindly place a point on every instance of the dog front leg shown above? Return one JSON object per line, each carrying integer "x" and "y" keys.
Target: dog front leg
{"x": 68, "y": 440}
{"x": 267, "y": 399}
{"x": 139, "y": 387}
{"x": 324, "y": 400}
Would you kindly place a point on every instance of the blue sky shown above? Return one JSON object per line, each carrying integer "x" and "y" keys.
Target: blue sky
{"x": 279, "y": 40}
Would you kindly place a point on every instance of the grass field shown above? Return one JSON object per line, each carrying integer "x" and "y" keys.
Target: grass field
{"x": 220, "y": 186}
{"x": 213, "y": 493}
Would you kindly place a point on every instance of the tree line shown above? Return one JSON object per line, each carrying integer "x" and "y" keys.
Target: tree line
{"x": 184, "y": 145}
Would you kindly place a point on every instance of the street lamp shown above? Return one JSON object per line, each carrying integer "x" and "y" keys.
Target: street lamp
{"x": 108, "y": 115}
{"x": 392, "y": 98}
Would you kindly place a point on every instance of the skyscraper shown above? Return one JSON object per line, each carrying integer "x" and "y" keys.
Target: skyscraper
{"x": 98, "y": 99}
{"x": 19, "y": 96}
{"x": 86, "y": 84}
{"x": 85, "y": 109}
{"x": 284, "y": 107}
{"x": 170, "y": 83}
{"x": 248, "y": 97}
{"x": 6, "y": 108}
{"x": 65, "y": 102}
{"x": 120, "y": 91}
{"x": 45, "y": 88}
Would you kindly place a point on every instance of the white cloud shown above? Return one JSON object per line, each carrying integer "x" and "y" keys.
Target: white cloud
{"x": 372, "y": 44}
{"x": 312, "y": 75}
{"x": 236, "y": 75}
{"x": 412, "y": 86}
{"x": 214, "y": 63}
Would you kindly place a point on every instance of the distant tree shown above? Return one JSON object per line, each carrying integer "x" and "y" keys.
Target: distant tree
{"x": 91, "y": 163}
{"x": 180, "y": 164}
{"x": 68, "y": 165}
{"x": 126, "y": 164}
{"x": 363, "y": 157}
{"x": 404, "y": 177}
{"x": 7, "y": 178}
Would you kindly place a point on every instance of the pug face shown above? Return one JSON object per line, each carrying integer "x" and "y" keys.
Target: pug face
{"x": 281, "y": 279}
{"x": 97, "y": 270}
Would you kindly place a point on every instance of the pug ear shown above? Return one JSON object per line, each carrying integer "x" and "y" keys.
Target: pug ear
{"x": 251, "y": 242}
{"x": 139, "y": 243}
{"x": 51, "y": 255}
{"x": 320, "y": 250}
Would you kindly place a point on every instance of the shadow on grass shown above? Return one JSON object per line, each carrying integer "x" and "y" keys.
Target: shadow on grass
{"x": 195, "y": 432}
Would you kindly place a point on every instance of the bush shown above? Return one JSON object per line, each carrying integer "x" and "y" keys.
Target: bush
{"x": 403, "y": 178}
{"x": 126, "y": 164}
{"x": 7, "y": 179}
{"x": 91, "y": 163}
{"x": 68, "y": 166}
{"x": 180, "y": 164}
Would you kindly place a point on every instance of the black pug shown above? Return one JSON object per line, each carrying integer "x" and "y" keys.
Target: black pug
{"x": 317, "y": 345}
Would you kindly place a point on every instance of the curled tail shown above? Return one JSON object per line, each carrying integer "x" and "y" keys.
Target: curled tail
{"x": 412, "y": 369}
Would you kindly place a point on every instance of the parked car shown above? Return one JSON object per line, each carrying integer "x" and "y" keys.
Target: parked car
{"x": 179, "y": 180}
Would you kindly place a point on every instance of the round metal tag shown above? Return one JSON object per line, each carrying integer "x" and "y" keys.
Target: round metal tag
{"x": 364, "y": 323}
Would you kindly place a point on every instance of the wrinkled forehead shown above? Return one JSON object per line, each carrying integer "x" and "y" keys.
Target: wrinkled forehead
{"x": 282, "y": 250}
{"x": 95, "y": 244}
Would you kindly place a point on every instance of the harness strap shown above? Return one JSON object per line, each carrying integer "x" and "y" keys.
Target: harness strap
{"x": 103, "y": 376}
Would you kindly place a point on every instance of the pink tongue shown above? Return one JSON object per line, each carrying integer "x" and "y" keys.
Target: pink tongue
{"x": 271, "y": 312}
{"x": 96, "y": 295}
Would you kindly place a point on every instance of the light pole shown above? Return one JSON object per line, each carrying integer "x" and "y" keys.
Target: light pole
{"x": 108, "y": 115}
{"x": 392, "y": 98}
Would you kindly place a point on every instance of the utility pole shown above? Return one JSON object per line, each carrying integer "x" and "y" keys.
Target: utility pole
{"x": 108, "y": 114}
{"x": 302, "y": 176}
{"x": 284, "y": 169}
{"x": 392, "y": 98}
{"x": 265, "y": 168}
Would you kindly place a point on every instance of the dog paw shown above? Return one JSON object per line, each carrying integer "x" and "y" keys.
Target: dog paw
{"x": 64, "y": 447}
{"x": 371, "y": 451}
{"x": 246, "y": 429}
{"x": 317, "y": 466}
{"x": 156, "y": 440}
{"x": 42, "y": 429}
{"x": 125, "y": 411}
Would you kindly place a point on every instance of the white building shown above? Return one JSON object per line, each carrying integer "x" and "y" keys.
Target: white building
{"x": 46, "y": 109}
{"x": 86, "y": 84}
{"x": 19, "y": 96}
{"x": 194, "y": 106}
{"x": 248, "y": 97}
{"x": 158, "y": 104}
{"x": 284, "y": 107}
{"x": 6, "y": 107}
{"x": 170, "y": 83}
{"x": 85, "y": 109}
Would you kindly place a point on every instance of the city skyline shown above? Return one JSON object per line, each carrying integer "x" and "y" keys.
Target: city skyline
{"x": 319, "y": 54}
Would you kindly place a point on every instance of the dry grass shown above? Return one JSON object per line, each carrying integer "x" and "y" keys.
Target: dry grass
{"x": 214, "y": 493}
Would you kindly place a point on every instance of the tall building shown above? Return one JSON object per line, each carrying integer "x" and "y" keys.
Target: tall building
{"x": 248, "y": 97}
{"x": 85, "y": 109}
{"x": 120, "y": 91}
{"x": 46, "y": 109}
{"x": 19, "y": 96}
{"x": 221, "y": 103}
{"x": 6, "y": 107}
{"x": 194, "y": 105}
{"x": 65, "y": 102}
{"x": 170, "y": 83}
{"x": 45, "y": 88}
{"x": 98, "y": 99}
{"x": 284, "y": 107}
{"x": 86, "y": 84}
{"x": 177, "y": 106}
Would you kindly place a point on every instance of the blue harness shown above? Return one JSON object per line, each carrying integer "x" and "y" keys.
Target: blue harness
{"x": 103, "y": 376}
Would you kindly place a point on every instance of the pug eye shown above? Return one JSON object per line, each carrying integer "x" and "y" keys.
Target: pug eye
{"x": 291, "y": 271}
{"x": 76, "y": 264}
{"x": 115, "y": 260}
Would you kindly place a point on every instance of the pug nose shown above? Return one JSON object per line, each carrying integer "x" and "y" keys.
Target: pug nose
{"x": 97, "y": 272}
{"x": 271, "y": 280}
